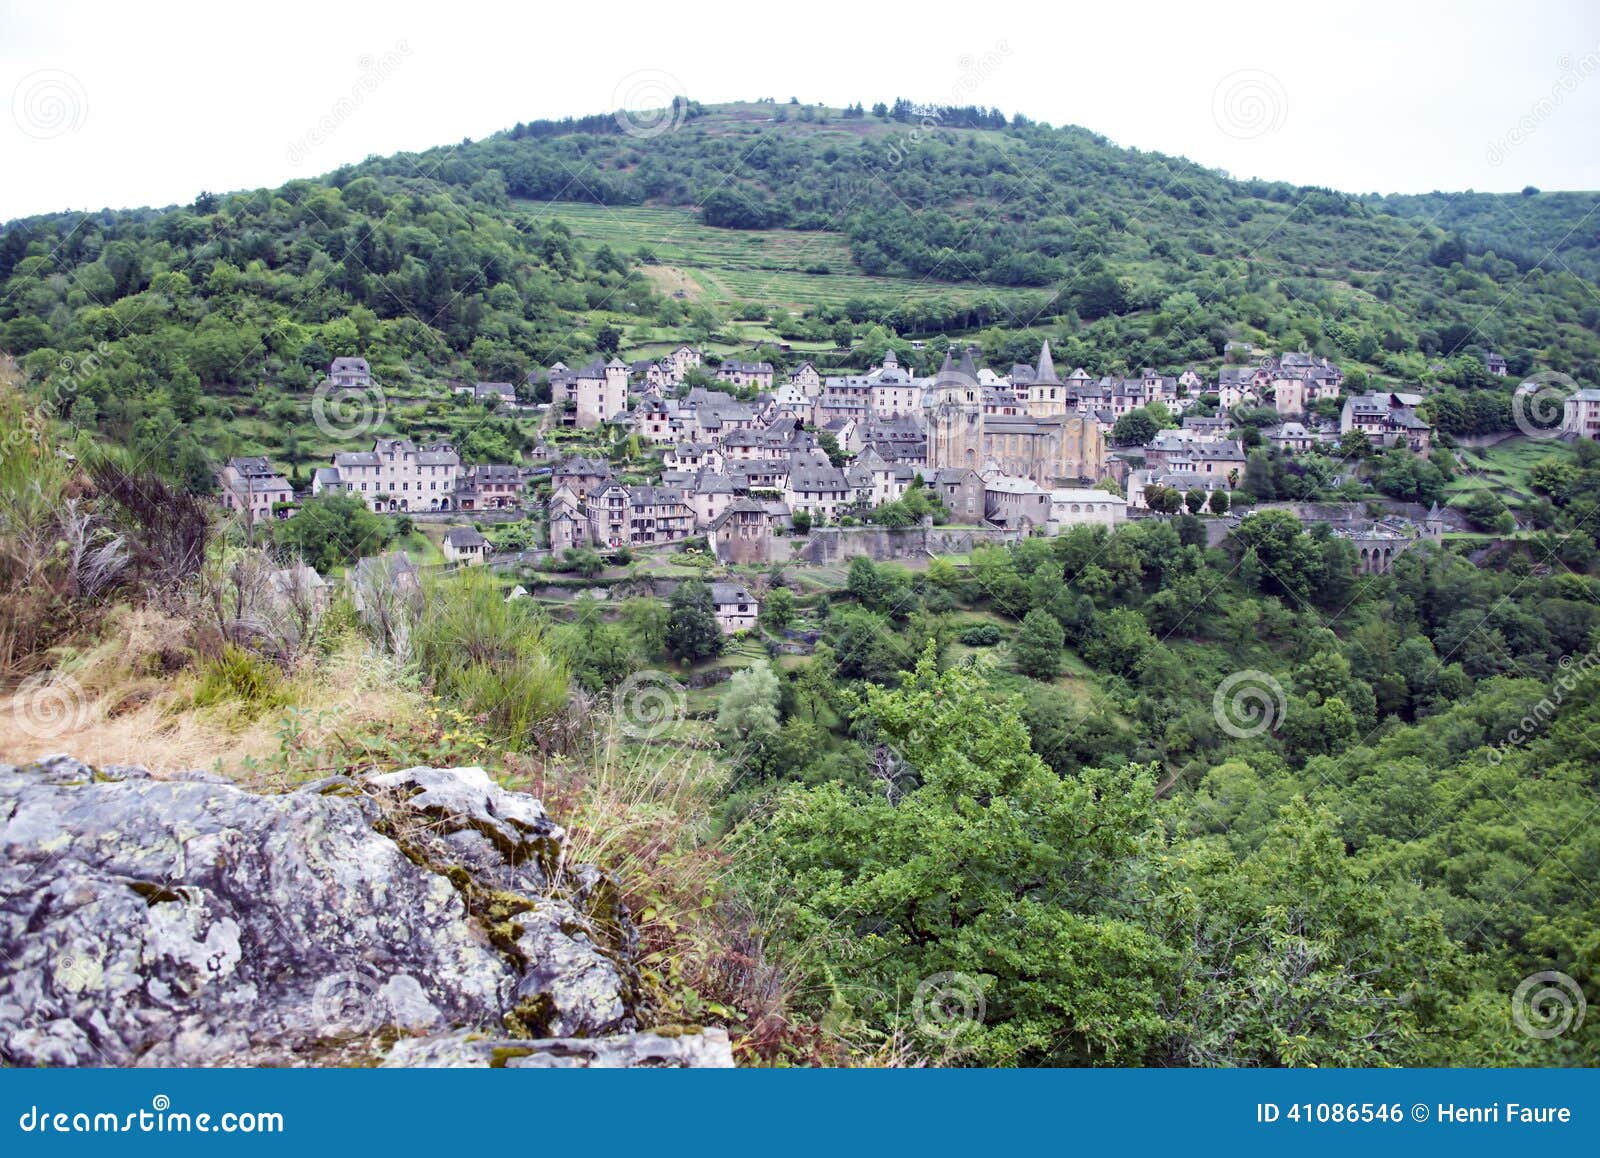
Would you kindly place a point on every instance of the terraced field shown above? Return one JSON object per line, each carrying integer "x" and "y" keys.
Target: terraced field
{"x": 724, "y": 266}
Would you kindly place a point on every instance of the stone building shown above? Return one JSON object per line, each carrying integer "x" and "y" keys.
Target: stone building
{"x": 1046, "y": 445}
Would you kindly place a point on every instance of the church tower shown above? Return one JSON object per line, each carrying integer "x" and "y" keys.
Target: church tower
{"x": 955, "y": 418}
{"x": 1047, "y": 394}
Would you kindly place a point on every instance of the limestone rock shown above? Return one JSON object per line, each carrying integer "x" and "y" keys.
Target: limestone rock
{"x": 191, "y": 922}
{"x": 708, "y": 1048}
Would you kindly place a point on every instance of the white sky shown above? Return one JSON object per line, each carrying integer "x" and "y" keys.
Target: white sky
{"x": 110, "y": 106}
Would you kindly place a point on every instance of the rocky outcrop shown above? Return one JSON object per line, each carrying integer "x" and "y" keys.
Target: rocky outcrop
{"x": 413, "y": 916}
{"x": 668, "y": 1049}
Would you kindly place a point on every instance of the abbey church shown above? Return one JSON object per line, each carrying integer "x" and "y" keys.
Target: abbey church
{"x": 1029, "y": 433}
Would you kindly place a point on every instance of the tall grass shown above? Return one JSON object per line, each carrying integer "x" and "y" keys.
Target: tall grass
{"x": 491, "y": 658}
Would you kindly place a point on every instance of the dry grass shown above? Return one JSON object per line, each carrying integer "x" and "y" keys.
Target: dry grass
{"x": 128, "y": 699}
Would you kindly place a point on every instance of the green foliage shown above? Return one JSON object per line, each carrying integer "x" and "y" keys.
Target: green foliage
{"x": 491, "y": 657}
{"x": 242, "y": 678}
{"x": 693, "y": 633}
{"x": 1036, "y": 650}
{"x": 981, "y": 635}
{"x": 992, "y": 867}
{"x": 778, "y": 611}
{"x": 332, "y": 530}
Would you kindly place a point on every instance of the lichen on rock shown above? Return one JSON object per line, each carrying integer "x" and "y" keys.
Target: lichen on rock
{"x": 192, "y": 922}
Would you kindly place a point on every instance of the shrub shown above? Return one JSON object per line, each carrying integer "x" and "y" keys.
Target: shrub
{"x": 981, "y": 635}
{"x": 242, "y": 677}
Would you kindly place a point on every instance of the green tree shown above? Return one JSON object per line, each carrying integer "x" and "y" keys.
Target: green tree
{"x": 1036, "y": 650}
{"x": 779, "y": 609}
{"x": 1134, "y": 428}
{"x": 747, "y": 714}
{"x": 332, "y": 530}
{"x": 988, "y": 871}
{"x": 693, "y": 633}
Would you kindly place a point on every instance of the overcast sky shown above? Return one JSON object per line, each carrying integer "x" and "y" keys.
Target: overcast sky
{"x": 112, "y": 106}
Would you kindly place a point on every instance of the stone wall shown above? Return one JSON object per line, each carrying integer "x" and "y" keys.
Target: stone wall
{"x": 829, "y": 545}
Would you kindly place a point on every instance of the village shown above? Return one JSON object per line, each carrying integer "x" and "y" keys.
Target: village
{"x": 759, "y": 469}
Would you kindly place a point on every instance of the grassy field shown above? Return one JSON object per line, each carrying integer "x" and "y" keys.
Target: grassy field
{"x": 1502, "y": 468}
{"x": 724, "y": 266}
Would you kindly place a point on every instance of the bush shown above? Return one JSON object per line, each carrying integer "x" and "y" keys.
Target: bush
{"x": 981, "y": 635}
{"x": 490, "y": 657}
{"x": 239, "y": 676}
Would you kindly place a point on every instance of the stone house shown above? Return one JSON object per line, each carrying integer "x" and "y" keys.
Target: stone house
{"x": 350, "y": 373}
{"x": 621, "y": 516}
{"x": 805, "y": 377}
{"x": 1019, "y": 504}
{"x": 601, "y": 391}
{"x": 581, "y": 475}
{"x": 395, "y": 475}
{"x": 252, "y": 486}
{"x": 1389, "y": 419}
{"x": 568, "y": 529}
{"x": 736, "y": 608}
{"x": 820, "y": 491}
{"x": 464, "y": 545}
{"x": 744, "y": 533}
{"x": 961, "y": 491}
{"x": 1073, "y": 506}
{"x": 1580, "y": 414}
{"x": 737, "y": 373}
{"x": 493, "y": 486}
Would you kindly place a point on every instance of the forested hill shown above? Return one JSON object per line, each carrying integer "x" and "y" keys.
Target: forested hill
{"x": 471, "y": 260}
{"x": 1119, "y": 234}
{"x": 195, "y": 332}
{"x": 1532, "y": 228}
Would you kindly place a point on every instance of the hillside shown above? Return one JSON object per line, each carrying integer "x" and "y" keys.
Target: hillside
{"x": 1549, "y": 231}
{"x": 196, "y": 331}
